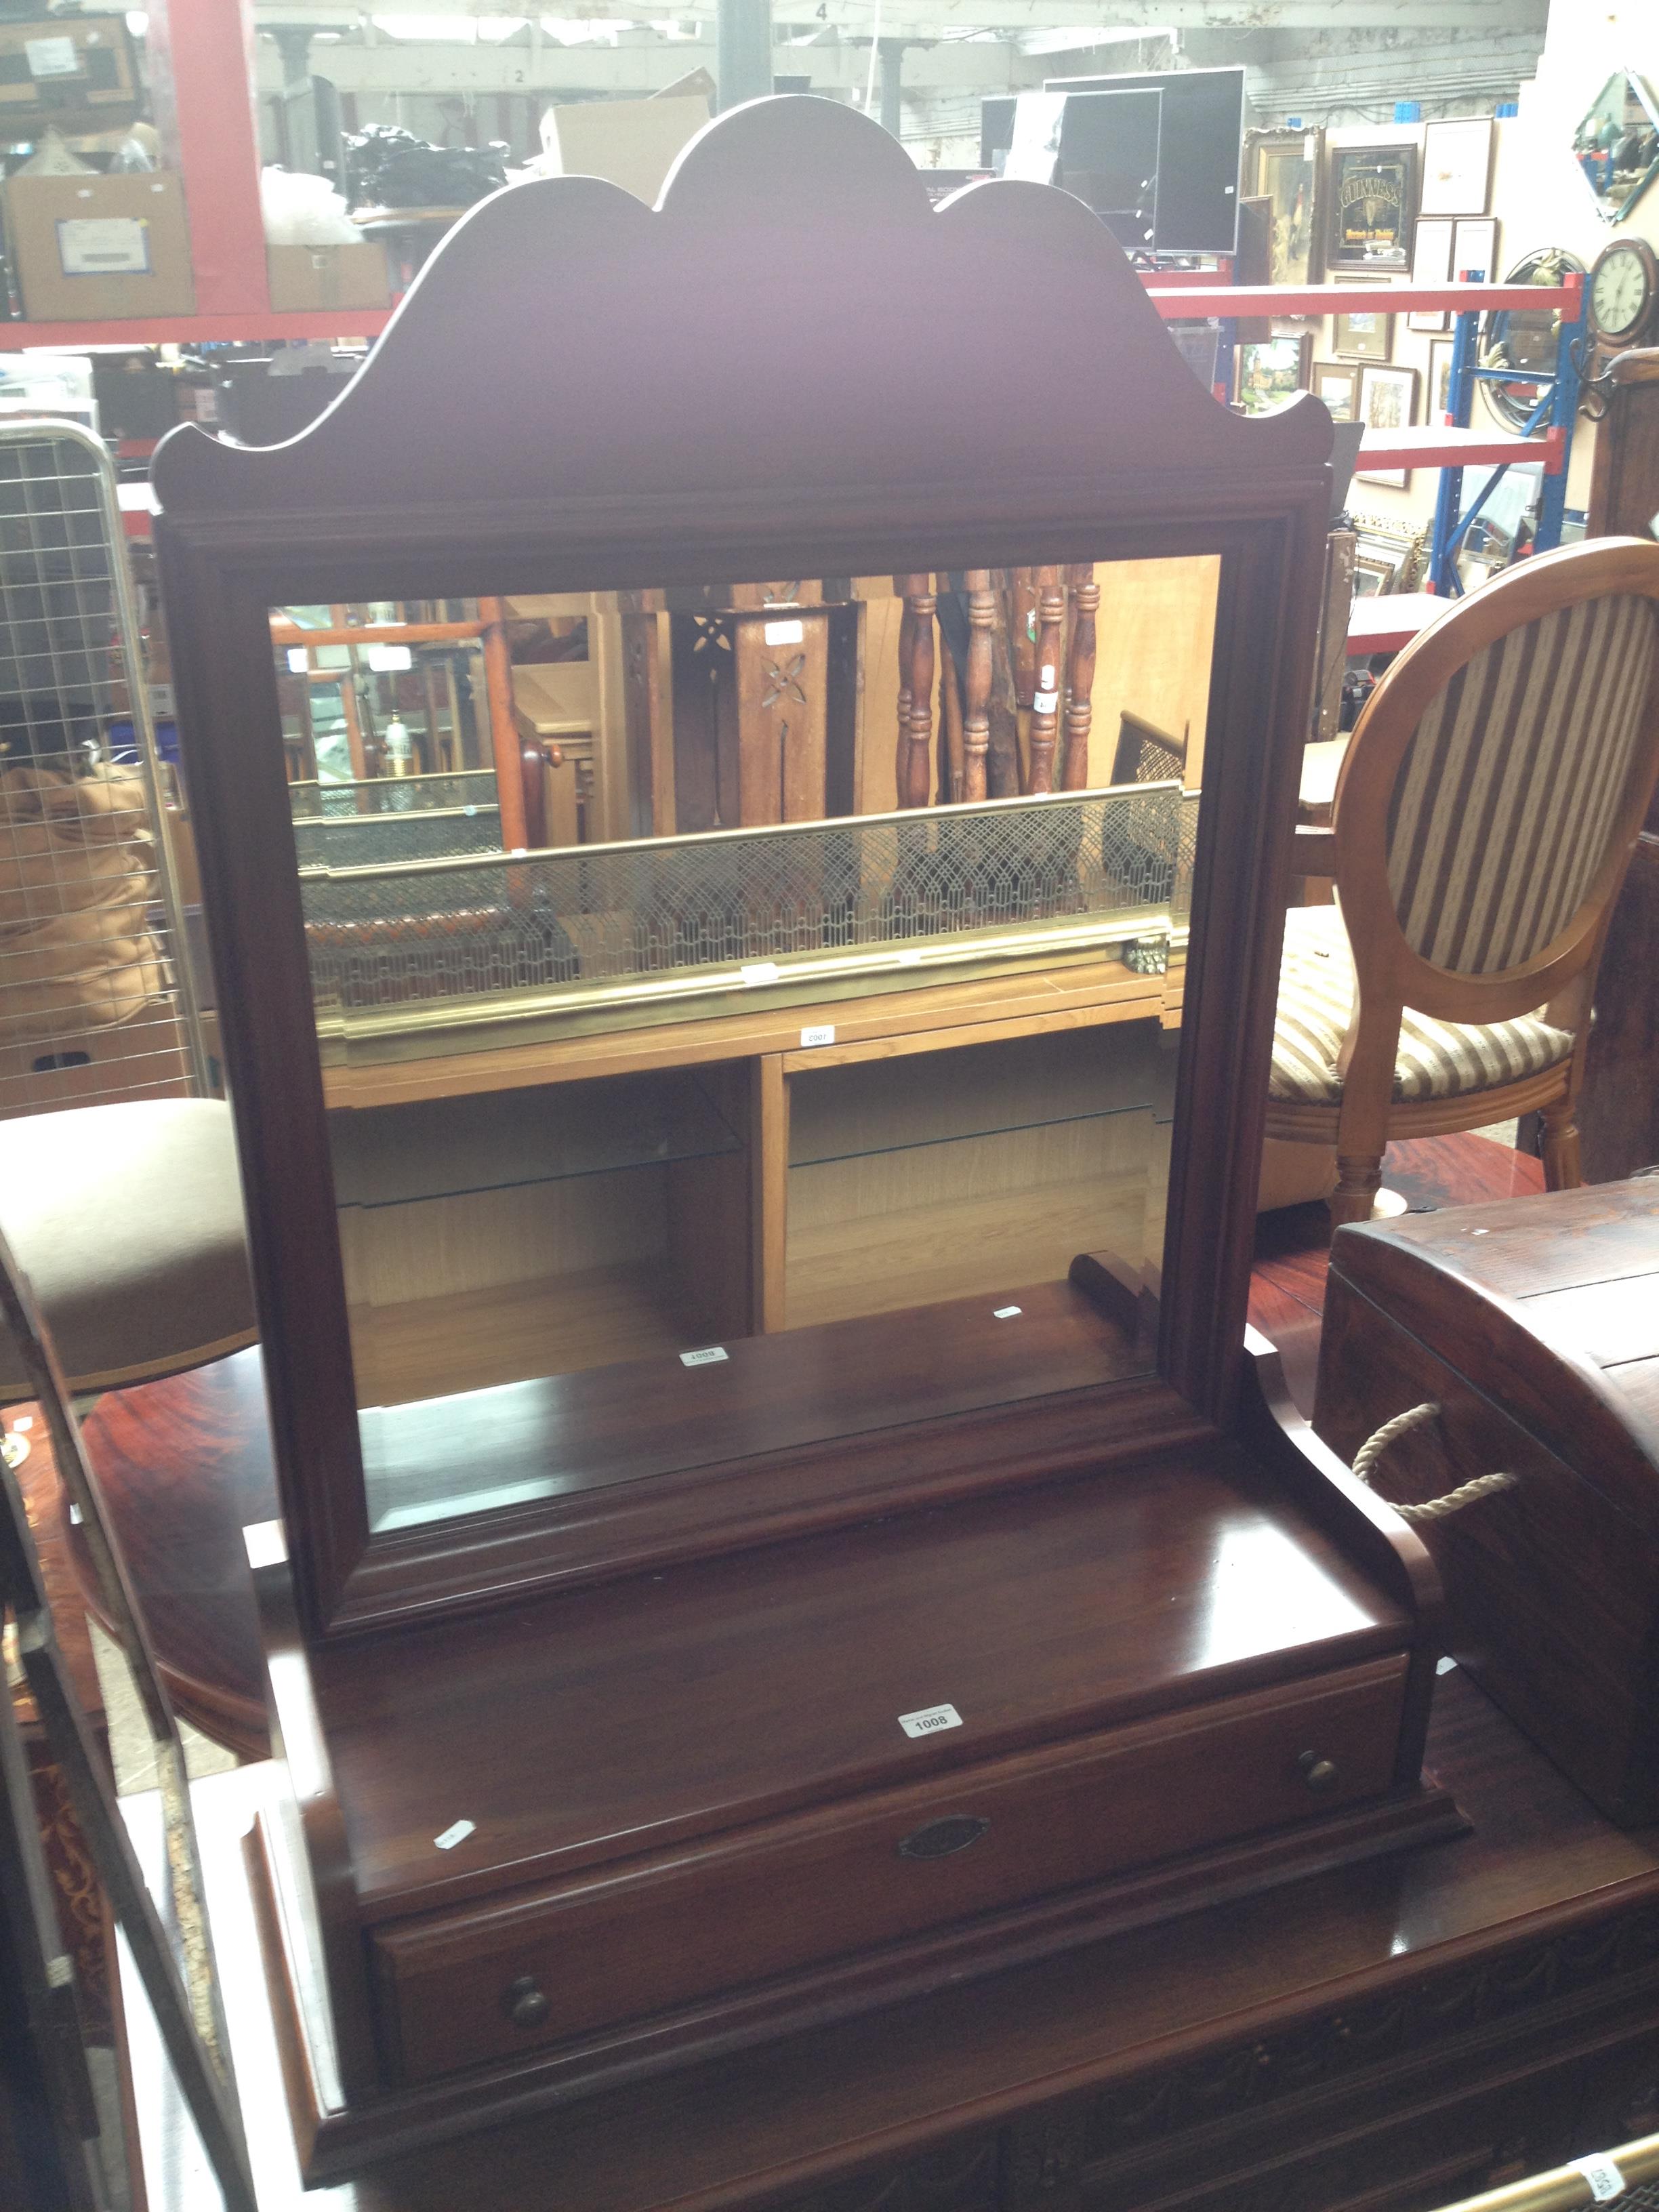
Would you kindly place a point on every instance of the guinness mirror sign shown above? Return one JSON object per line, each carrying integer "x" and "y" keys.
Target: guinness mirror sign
{"x": 1373, "y": 204}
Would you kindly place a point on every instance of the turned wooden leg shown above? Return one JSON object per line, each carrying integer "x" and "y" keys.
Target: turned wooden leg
{"x": 1079, "y": 678}
{"x": 1561, "y": 1147}
{"x": 913, "y": 763}
{"x": 1360, "y": 1177}
{"x": 1045, "y": 702}
{"x": 976, "y": 685}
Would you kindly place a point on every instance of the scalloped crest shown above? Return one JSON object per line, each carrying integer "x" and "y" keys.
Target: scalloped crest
{"x": 793, "y": 315}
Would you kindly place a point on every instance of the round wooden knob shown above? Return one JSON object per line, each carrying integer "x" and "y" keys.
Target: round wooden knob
{"x": 524, "y": 2004}
{"x": 1318, "y": 1774}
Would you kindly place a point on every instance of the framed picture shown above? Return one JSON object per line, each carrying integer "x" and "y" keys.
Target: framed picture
{"x": 1271, "y": 371}
{"x": 1389, "y": 553}
{"x": 1337, "y": 383}
{"x": 1388, "y": 401}
{"x": 1283, "y": 168}
{"x": 1374, "y": 572}
{"x": 1431, "y": 263}
{"x": 1368, "y": 337}
{"x": 1440, "y": 368}
{"x": 1456, "y": 166}
{"x": 1474, "y": 250}
{"x": 1373, "y": 206}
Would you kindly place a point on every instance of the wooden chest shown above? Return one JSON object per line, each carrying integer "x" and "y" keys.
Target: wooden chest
{"x": 1532, "y": 1325}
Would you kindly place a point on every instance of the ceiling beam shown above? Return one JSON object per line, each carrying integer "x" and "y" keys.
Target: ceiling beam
{"x": 472, "y": 71}
{"x": 922, "y": 18}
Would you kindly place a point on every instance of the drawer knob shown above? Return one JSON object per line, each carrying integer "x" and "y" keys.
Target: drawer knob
{"x": 1318, "y": 1774}
{"x": 524, "y": 2004}
{"x": 940, "y": 1840}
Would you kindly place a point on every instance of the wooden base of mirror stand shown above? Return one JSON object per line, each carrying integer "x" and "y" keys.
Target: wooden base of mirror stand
{"x": 1142, "y": 1734}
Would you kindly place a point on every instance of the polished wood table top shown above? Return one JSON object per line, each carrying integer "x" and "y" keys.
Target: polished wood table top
{"x": 186, "y": 1464}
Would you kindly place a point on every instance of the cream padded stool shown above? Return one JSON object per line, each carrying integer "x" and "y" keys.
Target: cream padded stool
{"x": 127, "y": 1219}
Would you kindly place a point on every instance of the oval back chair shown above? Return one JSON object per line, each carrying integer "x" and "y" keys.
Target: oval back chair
{"x": 1484, "y": 819}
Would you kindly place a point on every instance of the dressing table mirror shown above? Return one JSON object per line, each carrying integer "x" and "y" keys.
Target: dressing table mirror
{"x": 751, "y": 1201}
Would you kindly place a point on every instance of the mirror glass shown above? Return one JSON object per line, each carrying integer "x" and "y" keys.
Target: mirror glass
{"x": 748, "y": 1013}
{"x": 1617, "y": 145}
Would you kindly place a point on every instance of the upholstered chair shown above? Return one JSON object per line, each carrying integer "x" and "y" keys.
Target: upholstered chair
{"x": 1484, "y": 819}
{"x": 127, "y": 1220}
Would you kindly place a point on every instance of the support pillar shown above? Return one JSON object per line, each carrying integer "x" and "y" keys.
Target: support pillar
{"x": 201, "y": 54}
{"x": 892, "y": 65}
{"x": 743, "y": 51}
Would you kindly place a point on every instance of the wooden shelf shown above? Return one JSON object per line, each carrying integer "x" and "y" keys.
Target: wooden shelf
{"x": 431, "y": 1347}
{"x": 187, "y": 330}
{"x": 1383, "y": 624}
{"x": 1430, "y": 445}
{"x": 856, "y": 1248}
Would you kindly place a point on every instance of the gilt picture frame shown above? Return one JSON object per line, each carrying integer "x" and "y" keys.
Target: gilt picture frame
{"x": 1365, "y": 336}
{"x": 1284, "y": 168}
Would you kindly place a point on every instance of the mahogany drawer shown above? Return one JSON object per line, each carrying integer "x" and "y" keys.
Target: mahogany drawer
{"x": 621, "y": 1943}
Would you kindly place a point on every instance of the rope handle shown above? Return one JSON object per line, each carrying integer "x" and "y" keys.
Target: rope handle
{"x": 1431, "y": 1509}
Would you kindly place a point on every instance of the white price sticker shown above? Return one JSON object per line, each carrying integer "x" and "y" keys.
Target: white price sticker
{"x": 1606, "y": 2182}
{"x": 1003, "y": 1313}
{"x": 824, "y": 1034}
{"x": 761, "y": 971}
{"x": 1045, "y": 701}
{"x": 455, "y": 1834}
{"x": 706, "y": 1357}
{"x": 104, "y": 245}
{"x": 930, "y": 1720}
{"x": 1045, "y": 677}
{"x": 785, "y": 632}
{"x": 52, "y": 57}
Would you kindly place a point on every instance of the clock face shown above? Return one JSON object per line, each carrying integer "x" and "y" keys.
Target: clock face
{"x": 1621, "y": 291}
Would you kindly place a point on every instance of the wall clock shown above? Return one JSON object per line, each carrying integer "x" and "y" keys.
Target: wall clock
{"x": 1621, "y": 292}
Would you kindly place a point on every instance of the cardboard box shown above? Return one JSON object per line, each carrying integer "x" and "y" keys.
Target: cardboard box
{"x": 632, "y": 142}
{"x": 78, "y": 72}
{"x": 95, "y": 249}
{"x": 328, "y": 276}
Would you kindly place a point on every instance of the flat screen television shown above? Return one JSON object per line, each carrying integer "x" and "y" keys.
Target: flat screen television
{"x": 1109, "y": 157}
{"x": 1201, "y": 137}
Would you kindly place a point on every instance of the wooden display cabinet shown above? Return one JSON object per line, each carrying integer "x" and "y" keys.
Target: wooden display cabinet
{"x": 540, "y": 1230}
{"x": 708, "y": 1611}
{"x": 921, "y": 1168}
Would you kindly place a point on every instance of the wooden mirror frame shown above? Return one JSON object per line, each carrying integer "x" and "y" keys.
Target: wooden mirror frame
{"x": 794, "y": 364}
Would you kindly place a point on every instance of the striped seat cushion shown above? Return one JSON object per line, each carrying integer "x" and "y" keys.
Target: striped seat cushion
{"x": 1437, "y": 1060}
